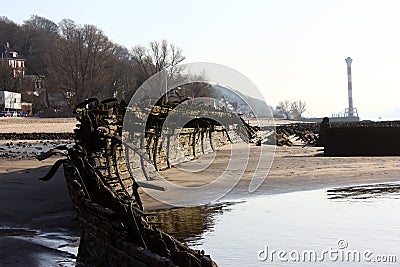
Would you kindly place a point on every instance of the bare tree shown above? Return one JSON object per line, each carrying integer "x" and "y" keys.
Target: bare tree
{"x": 292, "y": 109}
{"x": 38, "y": 38}
{"x": 10, "y": 32}
{"x": 40, "y": 23}
{"x": 297, "y": 108}
{"x": 79, "y": 62}
{"x": 124, "y": 77}
{"x": 284, "y": 107}
{"x": 157, "y": 57}
{"x": 197, "y": 89}
{"x": 80, "y": 65}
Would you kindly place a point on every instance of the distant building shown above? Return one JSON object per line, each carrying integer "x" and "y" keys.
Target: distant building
{"x": 33, "y": 86}
{"x": 35, "y": 90}
{"x": 36, "y": 81}
{"x": 14, "y": 61}
{"x": 10, "y": 101}
{"x": 27, "y": 108}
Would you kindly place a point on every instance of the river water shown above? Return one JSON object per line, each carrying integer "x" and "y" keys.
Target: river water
{"x": 356, "y": 226}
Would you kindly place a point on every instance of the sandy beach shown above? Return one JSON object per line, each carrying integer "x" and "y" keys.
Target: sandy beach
{"x": 36, "y": 125}
{"x": 28, "y": 203}
{"x": 293, "y": 169}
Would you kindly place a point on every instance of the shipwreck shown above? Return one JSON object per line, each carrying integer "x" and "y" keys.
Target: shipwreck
{"x": 116, "y": 231}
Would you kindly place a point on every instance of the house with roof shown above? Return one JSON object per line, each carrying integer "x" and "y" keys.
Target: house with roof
{"x": 9, "y": 100}
{"x": 16, "y": 63}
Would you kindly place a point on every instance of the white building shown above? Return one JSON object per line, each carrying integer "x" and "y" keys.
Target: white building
{"x": 10, "y": 101}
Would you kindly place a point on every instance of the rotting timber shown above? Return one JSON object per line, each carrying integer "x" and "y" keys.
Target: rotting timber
{"x": 115, "y": 229}
{"x": 198, "y": 135}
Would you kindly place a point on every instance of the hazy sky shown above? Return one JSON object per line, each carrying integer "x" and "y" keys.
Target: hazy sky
{"x": 291, "y": 49}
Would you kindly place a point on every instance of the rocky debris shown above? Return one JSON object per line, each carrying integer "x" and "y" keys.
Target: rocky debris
{"x": 37, "y": 136}
{"x": 364, "y": 191}
{"x": 282, "y": 139}
{"x": 307, "y": 133}
{"x": 27, "y": 149}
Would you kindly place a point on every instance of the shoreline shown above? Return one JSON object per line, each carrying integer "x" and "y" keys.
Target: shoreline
{"x": 26, "y": 202}
{"x": 293, "y": 169}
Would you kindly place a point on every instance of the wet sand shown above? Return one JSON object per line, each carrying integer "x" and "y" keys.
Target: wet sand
{"x": 293, "y": 169}
{"x": 28, "y": 203}
{"x": 24, "y": 197}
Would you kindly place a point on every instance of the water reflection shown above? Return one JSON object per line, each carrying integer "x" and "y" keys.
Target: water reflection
{"x": 188, "y": 224}
{"x": 362, "y": 216}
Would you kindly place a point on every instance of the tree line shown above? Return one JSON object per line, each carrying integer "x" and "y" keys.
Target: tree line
{"x": 79, "y": 61}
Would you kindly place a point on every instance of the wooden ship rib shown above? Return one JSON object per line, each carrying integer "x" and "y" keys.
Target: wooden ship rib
{"x": 115, "y": 229}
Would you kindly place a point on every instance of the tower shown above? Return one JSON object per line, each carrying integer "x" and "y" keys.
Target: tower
{"x": 350, "y": 110}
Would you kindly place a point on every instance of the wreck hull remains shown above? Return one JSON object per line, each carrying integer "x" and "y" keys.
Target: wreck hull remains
{"x": 115, "y": 229}
{"x": 104, "y": 241}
